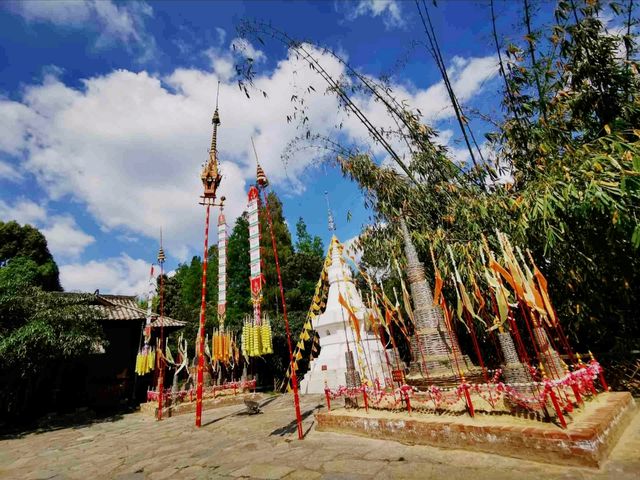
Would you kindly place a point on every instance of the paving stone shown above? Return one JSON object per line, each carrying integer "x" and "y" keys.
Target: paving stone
{"x": 42, "y": 475}
{"x": 303, "y": 474}
{"x": 360, "y": 467}
{"x": 265, "y": 471}
{"x": 136, "y": 447}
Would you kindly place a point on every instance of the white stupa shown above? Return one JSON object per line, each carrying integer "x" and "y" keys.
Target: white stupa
{"x": 337, "y": 335}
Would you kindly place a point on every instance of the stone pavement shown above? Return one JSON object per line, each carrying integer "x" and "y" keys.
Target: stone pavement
{"x": 231, "y": 444}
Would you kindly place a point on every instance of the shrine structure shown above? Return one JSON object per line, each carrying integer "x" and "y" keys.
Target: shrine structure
{"x": 350, "y": 354}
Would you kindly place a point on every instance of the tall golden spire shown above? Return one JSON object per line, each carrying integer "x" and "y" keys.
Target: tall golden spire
{"x": 210, "y": 175}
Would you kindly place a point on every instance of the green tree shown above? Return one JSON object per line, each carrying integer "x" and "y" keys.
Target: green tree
{"x": 284, "y": 245}
{"x": 563, "y": 179}
{"x": 306, "y": 243}
{"x": 27, "y": 242}
{"x": 39, "y": 332}
{"x": 303, "y": 269}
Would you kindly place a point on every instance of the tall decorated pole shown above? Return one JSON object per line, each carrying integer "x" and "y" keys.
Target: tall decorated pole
{"x": 221, "y": 341}
{"x": 256, "y": 331}
{"x": 257, "y": 279}
{"x": 222, "y": 269}
{"x": 210, "y": 181}
{"x": 161, "y": 259}
{"x": 145, "y": 361}
{"x": 262, "y": 184}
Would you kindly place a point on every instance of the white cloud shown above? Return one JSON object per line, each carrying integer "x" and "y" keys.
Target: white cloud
{"x": 223, "y": 61}
{"x": 467, "y": 76}
{"x": 9, "y": 172}
{"x": 129, "y": 146}
{"x": 23, "y": 211}
{"x": 65, "y": 238}
{"x": 16, "y": 118}
{"x": 389, "y": 10}
{"x": 351, "y": 250}
{"x": 245, "y": 48}
{"x": 119, "y": 275}
{"x": 113, "y": 23}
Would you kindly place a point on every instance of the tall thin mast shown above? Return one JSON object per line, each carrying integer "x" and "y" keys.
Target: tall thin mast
{"x": 211, "y": 179}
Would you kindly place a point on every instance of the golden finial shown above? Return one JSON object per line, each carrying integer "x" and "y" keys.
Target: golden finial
{"x": 261, "y": 177}
{"x": 210, "y": 175}
{"x": 161, "y": 255}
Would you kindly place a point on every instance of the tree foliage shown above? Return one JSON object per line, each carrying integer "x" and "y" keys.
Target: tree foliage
{"x": 27, "y": 242}
{"x": 39, "y": 332}
{"x": 562, "y": 178}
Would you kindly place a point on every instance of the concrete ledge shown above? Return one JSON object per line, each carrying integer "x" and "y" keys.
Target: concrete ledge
{"x": 151, "y": 408}
{"x": 587, "y": 442}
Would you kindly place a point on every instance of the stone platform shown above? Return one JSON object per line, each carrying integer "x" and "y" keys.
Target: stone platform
{"x": 151, "y": 408}
{"x": 593, "y": 432}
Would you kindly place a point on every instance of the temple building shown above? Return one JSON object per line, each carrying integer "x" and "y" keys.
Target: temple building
{"x": 106, "y": 377}
{"x": 344, "y": 359}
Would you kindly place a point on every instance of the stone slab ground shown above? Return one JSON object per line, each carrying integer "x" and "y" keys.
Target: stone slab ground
{"x": 592, "y": 433}
{"x": 231, "y": 444}
{"x": 151, "y": 408}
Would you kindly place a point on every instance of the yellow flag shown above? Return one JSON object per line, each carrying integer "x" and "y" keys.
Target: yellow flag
{"x": 352, "y": 316}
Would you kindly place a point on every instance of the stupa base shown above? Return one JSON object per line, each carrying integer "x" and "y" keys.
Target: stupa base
{"x": 444, "y": 379}
{"x": 594, "y": 430}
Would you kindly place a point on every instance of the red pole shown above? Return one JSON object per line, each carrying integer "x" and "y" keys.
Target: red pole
{"x": 294, "y": 377}
{"x": 465, "y": 387}
{"x": 554, "y": 400}
{"x": 576, "y": 392}
{"x": 203, "y": 308}
{"x": 366, "y": 402}
{"x": 161, "y": 361}
{"x": 406, "y": 394}
{"x": 326, "y": 394}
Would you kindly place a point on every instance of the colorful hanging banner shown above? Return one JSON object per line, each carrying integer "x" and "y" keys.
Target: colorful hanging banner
{"x": 146, "y": 356}
{"x": 254, "y": 245}
{"x": 256, "y": 332}
{"x": 222, "y": 269}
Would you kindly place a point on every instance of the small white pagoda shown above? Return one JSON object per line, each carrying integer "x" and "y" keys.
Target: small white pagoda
{"x": 338, "y": 342}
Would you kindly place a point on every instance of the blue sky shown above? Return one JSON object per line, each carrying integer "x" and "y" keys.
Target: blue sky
{"x": 105, "y": 115}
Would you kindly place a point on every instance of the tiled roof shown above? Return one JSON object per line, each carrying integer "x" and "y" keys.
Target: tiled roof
{"x": 166, "y": 322}
{"x": 123, "y": 308}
